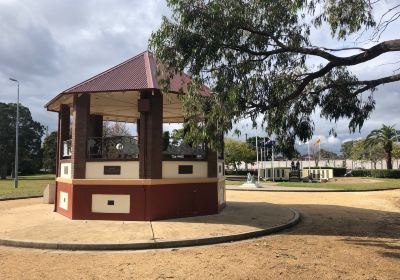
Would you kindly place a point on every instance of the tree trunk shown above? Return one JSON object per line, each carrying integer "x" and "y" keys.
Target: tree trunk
{"x": 12, "y": 171}
{"x": 389, "y": 161}
{"x": 3, "y": 171}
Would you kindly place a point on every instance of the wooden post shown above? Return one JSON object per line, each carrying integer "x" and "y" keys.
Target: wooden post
{"x": 150, "y": 106}
{"x": 95, "y": 128}
{"x": 79, "y": 135}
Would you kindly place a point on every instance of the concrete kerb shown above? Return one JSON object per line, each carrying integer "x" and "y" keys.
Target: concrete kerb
{"x": 309, "y": 191}
{"x": 22, "y": 197}
{"x": 154, "y": 245}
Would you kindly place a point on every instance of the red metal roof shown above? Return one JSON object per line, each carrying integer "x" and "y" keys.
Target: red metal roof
{"x": 129, "y": 75}
{"x": 136, "y": 73}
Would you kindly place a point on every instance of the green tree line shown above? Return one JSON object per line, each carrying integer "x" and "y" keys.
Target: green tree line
{"x": 33, "y": 156}
{"x": 379, "y": 144}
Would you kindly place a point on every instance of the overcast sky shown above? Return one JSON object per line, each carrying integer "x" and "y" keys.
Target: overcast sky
{"x": 50, "y": 45}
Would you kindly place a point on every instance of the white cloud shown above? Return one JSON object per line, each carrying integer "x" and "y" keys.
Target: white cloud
{"x": 50, "y": 45}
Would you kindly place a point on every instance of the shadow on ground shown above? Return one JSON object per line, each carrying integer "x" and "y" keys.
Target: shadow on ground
{"x": 355, "y": 226}
{"x": 332, "y": 220}
{"x": 346, "y": 221}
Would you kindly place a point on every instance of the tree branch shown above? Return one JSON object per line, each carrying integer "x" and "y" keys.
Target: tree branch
{"x": 368, "y": 84}
{"x": 367, "y": 54}
{"x": 374, "y": 83}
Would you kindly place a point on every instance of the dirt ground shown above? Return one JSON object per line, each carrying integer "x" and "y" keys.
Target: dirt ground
{"x": 342, "y": 236}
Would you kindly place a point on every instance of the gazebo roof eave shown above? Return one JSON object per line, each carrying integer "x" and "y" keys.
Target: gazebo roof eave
{"x": 62, "y": 94}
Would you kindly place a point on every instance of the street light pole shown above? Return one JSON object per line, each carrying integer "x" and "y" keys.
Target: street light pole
{"x": 16, "y": 137}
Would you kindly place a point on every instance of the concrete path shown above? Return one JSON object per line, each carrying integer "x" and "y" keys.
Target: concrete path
{"x": 265, "y": 187}
{"x": 33, "y": 224}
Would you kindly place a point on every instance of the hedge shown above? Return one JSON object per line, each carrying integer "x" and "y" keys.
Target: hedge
{"x": 376, "y": 173}
{"x": 239, "y": 172}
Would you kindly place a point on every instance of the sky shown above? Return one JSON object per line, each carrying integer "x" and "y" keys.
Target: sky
{"x": 51, "y": 45}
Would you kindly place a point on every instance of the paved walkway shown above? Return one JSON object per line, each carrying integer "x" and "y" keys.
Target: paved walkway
{"x": 30, "y": 222}
{"x": 265, "y": 187}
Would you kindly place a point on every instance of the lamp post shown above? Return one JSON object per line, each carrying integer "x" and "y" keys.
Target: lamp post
{"x": 16, "y": 136}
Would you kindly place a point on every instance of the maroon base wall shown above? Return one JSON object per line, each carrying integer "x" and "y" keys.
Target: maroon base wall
{"x": 148, "y": 202}
{"x": 173, "y": 201}
{"x": 82, "y": 205}
{"x": 63, "y": 187}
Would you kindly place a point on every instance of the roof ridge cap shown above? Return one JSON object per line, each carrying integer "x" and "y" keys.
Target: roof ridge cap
{"x": 151, "y": 70}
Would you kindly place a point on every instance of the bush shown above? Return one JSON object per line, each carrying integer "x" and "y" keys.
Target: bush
{"x": 239, "y": 172}
{"x": 361, "y": 172}
{"x": 376, "y": 173}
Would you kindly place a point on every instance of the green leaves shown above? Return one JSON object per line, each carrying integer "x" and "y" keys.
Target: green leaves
{"x": 30, "y": 134}
{"x": 385, "y": 136}
{"x": 237, "y": 152}
{"x": 258, "y": 60}
{"x": 49, "y": 152}
{"x": 346, "y": 16}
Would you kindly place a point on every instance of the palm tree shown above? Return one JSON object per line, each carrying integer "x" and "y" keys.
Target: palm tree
{"x": 385, "y": 136}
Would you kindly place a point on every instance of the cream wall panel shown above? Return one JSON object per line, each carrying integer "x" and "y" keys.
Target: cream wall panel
{"x": 220, "y": 168}
{"x": 279, "y": 173}
{"x": 324, "y": 173}
{"x": 63, "y": 200}
{"x": 170, "y": 169}
{"x": 121, "y": 203}
{"x": 129, "y": 170}
{"x": 221, "y": 192}
{"x": 66, "y": 170}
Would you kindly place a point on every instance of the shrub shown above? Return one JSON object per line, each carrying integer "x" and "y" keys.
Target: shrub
{"x": 239, "y": 172}
{"x": 339, "y": 171}
{"x": 385, "y": 173}
{"x": 361, "y": 173}
{"x": 376, "y": 173}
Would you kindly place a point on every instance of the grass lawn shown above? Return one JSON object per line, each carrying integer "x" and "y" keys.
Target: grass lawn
{"x": 228, "y": 182}
{"x": 28, "y": 186}
{"x": 351, "y": 183}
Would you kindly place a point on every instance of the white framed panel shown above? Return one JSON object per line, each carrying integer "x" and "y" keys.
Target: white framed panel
{"x": 170, "y": 169}
{"x": 63, "y": 200}
{"x": 111, "y": 203}
{"x": 66, "y": 170}
{"x": 129, "y": 170}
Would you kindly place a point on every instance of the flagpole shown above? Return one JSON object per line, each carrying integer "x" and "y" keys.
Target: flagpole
{"x": 258, "y": 166}
{"x": 265, "y": 158}
{"x": 319, "y": 152}
{"x": 309, "y": 163}
{"x": 261, "y": 159}
{"x": 273, "y": 169}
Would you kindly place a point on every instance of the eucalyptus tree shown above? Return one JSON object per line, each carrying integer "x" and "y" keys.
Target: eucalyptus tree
{"x": 259, "y": 60}
{"x": 237, "y": 152}
{"x": 49, "y": 150}
{"x": 386, "y": 136}
{"x": 30, "y": 140}
{"x": 364, "y": 152}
